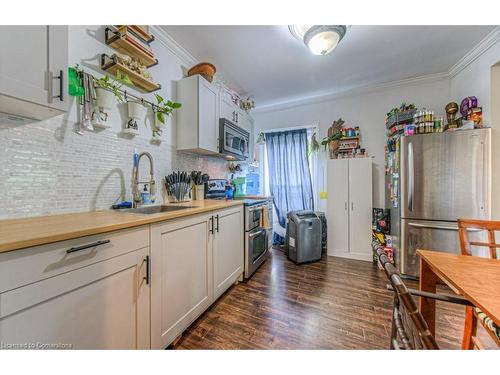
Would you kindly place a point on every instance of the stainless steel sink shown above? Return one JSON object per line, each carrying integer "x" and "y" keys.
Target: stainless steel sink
{"x": 155, "y": 209}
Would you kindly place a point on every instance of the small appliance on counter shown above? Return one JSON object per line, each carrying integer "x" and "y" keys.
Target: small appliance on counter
{"x": 216, "y": 188}
{"x": 303, "y": 236}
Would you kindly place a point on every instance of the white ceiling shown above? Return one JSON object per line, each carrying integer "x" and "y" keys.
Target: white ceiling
{"x": 267, "y": 63}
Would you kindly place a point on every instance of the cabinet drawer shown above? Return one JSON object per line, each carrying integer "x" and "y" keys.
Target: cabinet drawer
{"x": 21, "y": 267}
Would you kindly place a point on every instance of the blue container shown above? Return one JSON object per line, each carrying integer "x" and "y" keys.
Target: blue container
{"x": 253, "y": 184}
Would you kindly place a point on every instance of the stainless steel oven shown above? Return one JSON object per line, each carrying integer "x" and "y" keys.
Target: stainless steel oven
{"x": 256, "y": 235}
{"x": 233, "y": 140}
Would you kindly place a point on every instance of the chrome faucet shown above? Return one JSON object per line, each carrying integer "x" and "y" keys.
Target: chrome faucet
{"x": 135, "y": 180}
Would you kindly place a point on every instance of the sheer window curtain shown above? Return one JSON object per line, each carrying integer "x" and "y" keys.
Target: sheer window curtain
{"x": 289, "y": 175}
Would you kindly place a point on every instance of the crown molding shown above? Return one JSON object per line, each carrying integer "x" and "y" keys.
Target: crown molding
{"x": 187, "y": 59}
{"x": 484, "y": 45}
{"x": 365, "y": 89}
{"x": 184, "y": 56}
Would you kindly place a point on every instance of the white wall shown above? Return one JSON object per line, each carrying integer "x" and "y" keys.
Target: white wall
{"x": 482, "y": 79}
{"x": 368, "y": 111}
{"x": 475, "y": 80}
{"x": 47, "y": 168}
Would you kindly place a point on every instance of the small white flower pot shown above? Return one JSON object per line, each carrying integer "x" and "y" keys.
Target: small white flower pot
{"x": 158, "y": 124}
{"x": 136, "y": 110}
{"x": 104, "y": 99}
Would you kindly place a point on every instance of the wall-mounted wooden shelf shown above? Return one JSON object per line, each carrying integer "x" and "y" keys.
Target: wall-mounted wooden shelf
{"x": 123, "y": 41}
{"x": 110, "y": 65}
{"x": 139, "y": 31}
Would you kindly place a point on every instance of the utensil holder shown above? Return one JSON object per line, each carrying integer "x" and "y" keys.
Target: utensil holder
{"x": 199, "y": 192}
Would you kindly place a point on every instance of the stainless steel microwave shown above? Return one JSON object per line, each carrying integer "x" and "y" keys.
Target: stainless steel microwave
{"x": 233, "y": 140}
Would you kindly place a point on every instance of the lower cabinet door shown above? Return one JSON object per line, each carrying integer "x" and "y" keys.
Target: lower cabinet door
{"x": 181, "y": 276}
{"x": 228, "y": 249}
{"x": 101, "y": 306}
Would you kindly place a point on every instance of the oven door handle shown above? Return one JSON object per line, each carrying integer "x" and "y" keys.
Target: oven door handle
{"x": 252, "y": 235}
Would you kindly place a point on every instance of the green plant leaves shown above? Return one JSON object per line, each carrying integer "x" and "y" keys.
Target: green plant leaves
{"x": 161, "y": 117}
{"x": 164, "y": 107}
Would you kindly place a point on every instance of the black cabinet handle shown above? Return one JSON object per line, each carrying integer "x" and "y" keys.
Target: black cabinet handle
{"x": 211, "y": 224}
{"x": 217, "y": 228}
{"x": 61, "y": 86}
{"x": 148, "y": 275}
{"x": 88, "y": 246}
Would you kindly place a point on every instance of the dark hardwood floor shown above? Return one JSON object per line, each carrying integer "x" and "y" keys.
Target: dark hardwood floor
{"x": 332, "y": 304}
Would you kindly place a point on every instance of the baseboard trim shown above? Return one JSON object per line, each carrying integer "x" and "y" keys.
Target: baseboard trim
{"x": 354, "y": 256}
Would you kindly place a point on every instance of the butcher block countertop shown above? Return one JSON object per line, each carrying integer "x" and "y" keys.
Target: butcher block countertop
{"x": 21, "y": 233}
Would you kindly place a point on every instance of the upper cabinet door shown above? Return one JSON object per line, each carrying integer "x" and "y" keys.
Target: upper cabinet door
{"x": 58, "y": 67}
{"x": 227, "y": 107}
{"x": 208, "y": 117}
{"x": 33, "y": 69}
{"x": 24, "y": 62}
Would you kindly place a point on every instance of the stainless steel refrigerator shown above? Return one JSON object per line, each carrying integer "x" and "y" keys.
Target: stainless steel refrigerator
{"x": 442, "y": 177}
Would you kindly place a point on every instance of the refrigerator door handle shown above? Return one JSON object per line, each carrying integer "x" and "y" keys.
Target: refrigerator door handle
{"x": 411, "y": 176}
{"x": 443, "y": 227}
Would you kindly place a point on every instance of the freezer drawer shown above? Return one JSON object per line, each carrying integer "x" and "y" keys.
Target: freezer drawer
{"x": 429, "y": 235}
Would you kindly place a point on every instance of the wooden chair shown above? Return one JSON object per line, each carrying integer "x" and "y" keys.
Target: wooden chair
{"x": 473, "y": 315}
{"x": 409, "y": 329}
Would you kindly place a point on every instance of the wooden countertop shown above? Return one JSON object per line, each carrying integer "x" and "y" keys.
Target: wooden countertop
{"x": 17, "y": 234}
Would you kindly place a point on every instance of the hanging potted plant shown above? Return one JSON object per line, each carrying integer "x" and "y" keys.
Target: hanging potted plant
{"x": 163, "y": 108}
{"x": 136, "y": 112}
{"x": 107, "y": 93}
{"x": 333, "y": 138}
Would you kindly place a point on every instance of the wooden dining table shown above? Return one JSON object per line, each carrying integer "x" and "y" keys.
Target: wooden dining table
{"x": 474, "y": 278}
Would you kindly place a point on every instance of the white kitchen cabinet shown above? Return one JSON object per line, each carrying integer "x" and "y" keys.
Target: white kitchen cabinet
{"x": 194, "y": 260}
{"x": 246, "y": 122}
{"x": 228, "y": 249}
{"x": 198, "y": 118}
{"x": 33, "y": 70}
{"x": 97, "y": 297}
{"x": 228, "y": 109}
{"x": 349, "y": 208}
{"x": 182, "y": 276}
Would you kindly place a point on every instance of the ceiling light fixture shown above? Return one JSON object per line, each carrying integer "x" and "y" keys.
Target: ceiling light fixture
{"x": 321, "y": 40}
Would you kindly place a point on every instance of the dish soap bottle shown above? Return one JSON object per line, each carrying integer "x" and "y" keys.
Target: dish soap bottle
{"x": 145, "y": 196}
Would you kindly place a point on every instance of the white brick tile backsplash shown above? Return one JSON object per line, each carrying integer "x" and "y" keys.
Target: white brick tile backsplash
{"x": 47, "y": 168}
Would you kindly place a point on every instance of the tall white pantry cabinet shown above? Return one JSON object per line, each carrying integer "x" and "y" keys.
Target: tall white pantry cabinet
{"x": 349, "y": 208}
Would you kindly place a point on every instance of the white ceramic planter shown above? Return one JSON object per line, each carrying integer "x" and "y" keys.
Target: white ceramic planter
{"x": 158, "y": 124}
{"x": 136, "y": 110}
{"x": 104, "y": 99}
